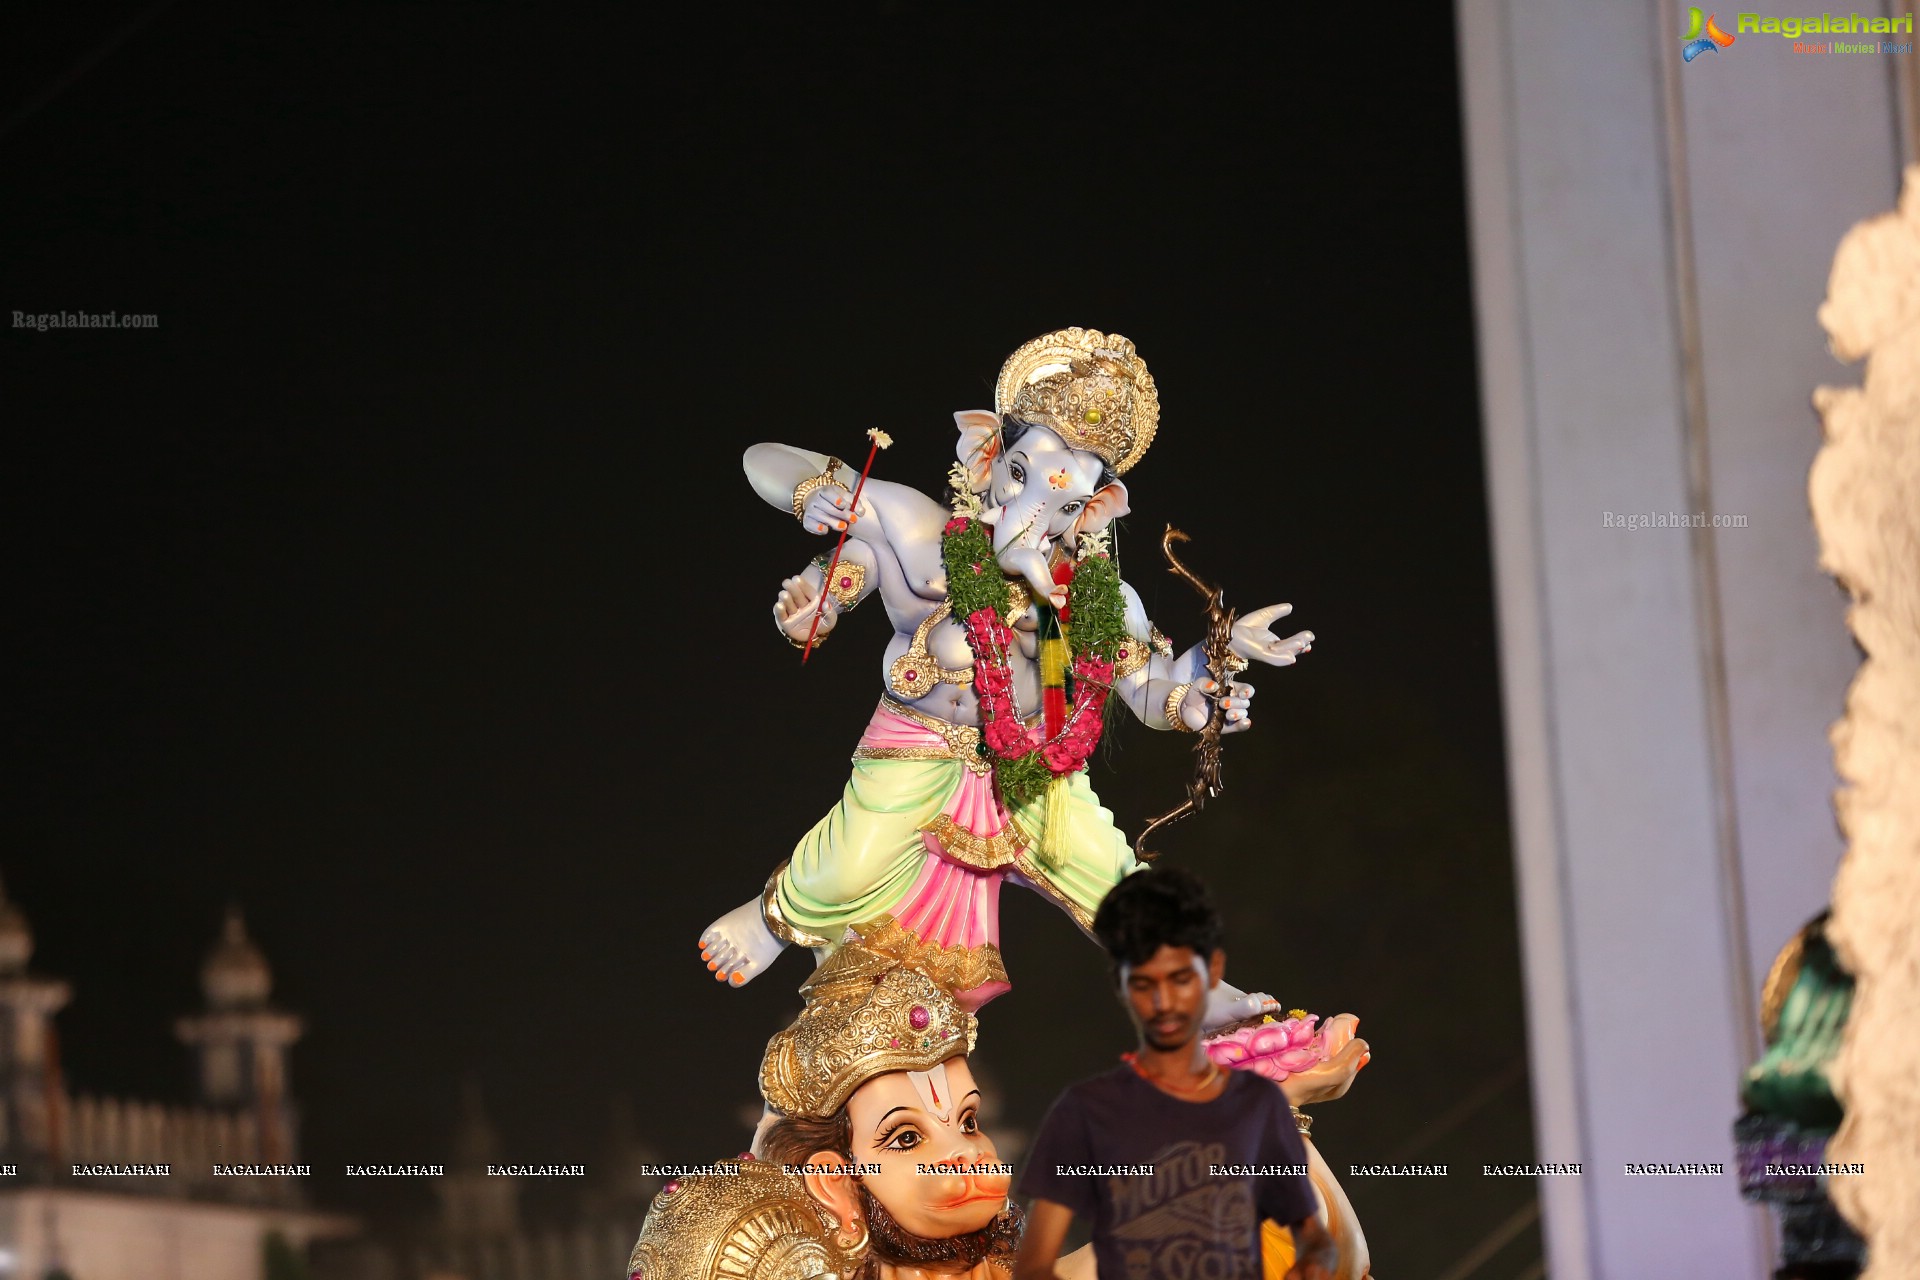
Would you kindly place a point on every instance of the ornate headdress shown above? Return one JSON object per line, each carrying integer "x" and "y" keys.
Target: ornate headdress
{"x": 1089, "y": 387}
{"x": 866, "y": 1015}
{"x": 757, "y": 1224}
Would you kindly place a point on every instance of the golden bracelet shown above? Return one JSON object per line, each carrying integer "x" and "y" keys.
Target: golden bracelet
{"x": 805, "y": 489}
{"x": 1302, "y": 1122}
{"x": 1172, "y": 708}
{"x": 819, "y": 637}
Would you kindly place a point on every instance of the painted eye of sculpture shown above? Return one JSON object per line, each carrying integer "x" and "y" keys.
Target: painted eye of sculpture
{"x": 1017, "y": 471}
{"x": 970, "y": 1123}
{"x": 904, "y": 1139}
{"x": 1070, "y": 508}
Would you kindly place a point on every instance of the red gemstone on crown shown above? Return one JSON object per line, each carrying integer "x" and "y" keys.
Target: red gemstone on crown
{"x": 918, "y": 1017}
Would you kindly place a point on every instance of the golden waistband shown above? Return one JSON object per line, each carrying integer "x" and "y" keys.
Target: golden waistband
{"x": 957, "y": 741}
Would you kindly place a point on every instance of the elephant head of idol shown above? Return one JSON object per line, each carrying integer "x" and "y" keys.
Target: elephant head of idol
{"x": 1074, "y": 410}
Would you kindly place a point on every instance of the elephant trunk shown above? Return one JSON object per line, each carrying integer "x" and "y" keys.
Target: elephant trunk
{"x": 1020, "y": 544}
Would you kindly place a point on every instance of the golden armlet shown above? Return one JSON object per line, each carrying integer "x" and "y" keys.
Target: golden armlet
{"x": 1172, "y": 708}
{"x": 804, "y": 490}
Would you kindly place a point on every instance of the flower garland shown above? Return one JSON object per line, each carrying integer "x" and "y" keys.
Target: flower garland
{"x": 1027, "y": 759}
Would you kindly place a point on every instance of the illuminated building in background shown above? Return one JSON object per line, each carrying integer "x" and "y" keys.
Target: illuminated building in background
{"x": 101, "y": 1188}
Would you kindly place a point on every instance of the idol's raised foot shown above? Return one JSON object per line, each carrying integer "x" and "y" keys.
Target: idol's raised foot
{"x": 738, "y": 946}
{"x": 1228, "y": 1004}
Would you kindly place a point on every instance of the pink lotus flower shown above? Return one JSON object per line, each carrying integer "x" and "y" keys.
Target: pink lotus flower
{"x": 959, "y": 524}
{"x": 1275, "y": 1050}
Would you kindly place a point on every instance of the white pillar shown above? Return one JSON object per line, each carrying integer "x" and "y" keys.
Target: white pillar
{"x": 1651, "y": 241}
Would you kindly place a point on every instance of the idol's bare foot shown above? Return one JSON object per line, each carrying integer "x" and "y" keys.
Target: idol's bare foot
{"x": 739, "y": 945}
{"x": 1227, "y": 1003}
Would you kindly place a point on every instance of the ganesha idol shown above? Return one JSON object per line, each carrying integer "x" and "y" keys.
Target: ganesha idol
{"x": 1011, "y": 631}
{"x": 873, "y": 1165}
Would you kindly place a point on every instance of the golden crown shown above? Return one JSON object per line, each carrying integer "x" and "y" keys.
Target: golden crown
{"x": 757, "y": 1223}
{"x": 1091, "y": 388}
{"x": 866, "y": 1015}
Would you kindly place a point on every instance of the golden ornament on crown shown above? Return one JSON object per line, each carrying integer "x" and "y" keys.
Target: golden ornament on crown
{"x": 865, "y": 1015}
{"x": 755, "y": 1223}
{"x": 1090, "y": 388}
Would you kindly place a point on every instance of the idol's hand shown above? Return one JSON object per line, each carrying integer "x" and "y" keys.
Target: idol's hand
{"x": 1331, "y": 1079}
{"x": 830, "y": 510}
{"x": 793, "y": 611}
{"x": 1197, "y": 707}
{"x": 1253, "y": 639}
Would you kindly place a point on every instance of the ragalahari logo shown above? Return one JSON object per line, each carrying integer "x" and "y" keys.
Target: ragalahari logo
{"x": 1703, "y": 36}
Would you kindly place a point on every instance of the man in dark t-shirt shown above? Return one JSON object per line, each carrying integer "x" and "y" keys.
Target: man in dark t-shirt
{"x": 1174, "y": 1162}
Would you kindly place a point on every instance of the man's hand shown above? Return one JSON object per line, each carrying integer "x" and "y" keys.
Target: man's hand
{"x": 1314, "y": 1253}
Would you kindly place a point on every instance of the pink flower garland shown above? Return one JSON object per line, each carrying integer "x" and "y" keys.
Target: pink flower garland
{"x": 991, "y": 640}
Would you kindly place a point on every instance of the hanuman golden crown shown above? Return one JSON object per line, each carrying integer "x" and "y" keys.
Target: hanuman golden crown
{"x": 1091, "y": 388}
{"x": 865, "y": 1015}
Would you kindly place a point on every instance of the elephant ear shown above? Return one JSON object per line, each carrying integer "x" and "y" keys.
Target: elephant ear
{"x": 1102, "y": 509}
{"x": 979, "y": 442}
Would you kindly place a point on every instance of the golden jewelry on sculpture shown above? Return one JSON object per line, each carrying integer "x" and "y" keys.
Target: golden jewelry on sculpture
{"x": 755, "y": 1222}
{"x": 1090, "y": 388}
{"x": 956, "y": 968}
{"x": 914, "y": 673}
{"x": 849, "y": 579}
{"x": 1172, "y": 708}
{"x": 819, "y": 636}
{"x": 856, "y": 1246}
{"x": 1302, "y": 1122}
{"x": 1129, "y": 656}
{"x": 865, "y": 1015}
{"x": 805, "y": 489}
{"x": 987, "y": 853}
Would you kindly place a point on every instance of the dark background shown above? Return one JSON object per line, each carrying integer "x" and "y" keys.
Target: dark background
{"x": 403, "y": 585}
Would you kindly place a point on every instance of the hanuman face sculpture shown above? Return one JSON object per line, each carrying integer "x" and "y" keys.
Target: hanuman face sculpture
{"x": 875, "y": 1161}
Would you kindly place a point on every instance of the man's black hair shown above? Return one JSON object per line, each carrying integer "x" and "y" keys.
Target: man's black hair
{"x": 1161, "y": 907}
